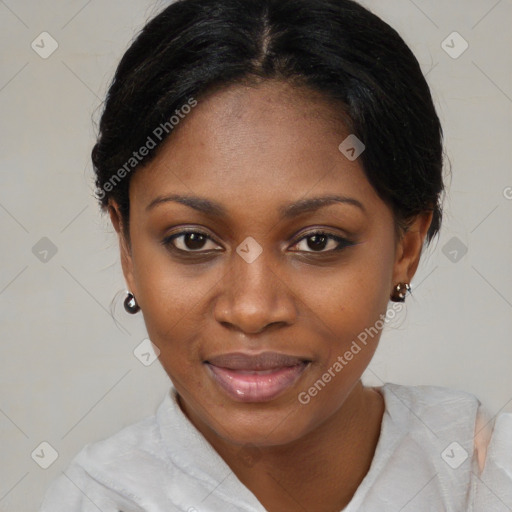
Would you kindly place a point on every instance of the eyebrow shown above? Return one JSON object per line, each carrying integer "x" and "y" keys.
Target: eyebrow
{"x": 215, "y": 209}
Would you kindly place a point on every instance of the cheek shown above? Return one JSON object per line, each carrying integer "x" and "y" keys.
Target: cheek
{"x": 348, "y": 306}
{"x": 352, "y": 308}
{"x": 171, "y": 295}
{"x": 350, "y": 296}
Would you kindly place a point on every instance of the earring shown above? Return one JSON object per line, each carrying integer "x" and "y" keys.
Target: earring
{"x": 130, "y": 304}
{"x": 400, "y": 291}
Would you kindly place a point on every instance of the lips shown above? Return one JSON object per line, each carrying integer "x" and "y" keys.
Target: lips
{"x": 255, "y": 378}
{"x": 263, "y": 361}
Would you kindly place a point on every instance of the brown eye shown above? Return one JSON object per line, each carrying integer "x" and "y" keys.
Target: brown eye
{"x": 319, "y": 240}
{"x": 188, "y": 241}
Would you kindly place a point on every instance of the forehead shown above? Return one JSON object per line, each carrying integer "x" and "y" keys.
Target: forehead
{"x": 254, "y": 143}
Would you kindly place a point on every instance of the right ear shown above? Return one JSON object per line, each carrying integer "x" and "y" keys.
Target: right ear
{"x": 124, "y": 246}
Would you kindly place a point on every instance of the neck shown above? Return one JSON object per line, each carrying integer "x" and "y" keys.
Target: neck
{"x": 325, "y": 466}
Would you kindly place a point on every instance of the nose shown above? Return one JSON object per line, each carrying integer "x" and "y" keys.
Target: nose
{"x": 255, "y": 296}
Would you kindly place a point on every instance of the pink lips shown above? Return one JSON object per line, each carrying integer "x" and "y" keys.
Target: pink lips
{"x": 255, "y": 378}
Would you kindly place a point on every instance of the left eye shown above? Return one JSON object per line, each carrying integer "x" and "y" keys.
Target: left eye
{"x": 318, "y": 240}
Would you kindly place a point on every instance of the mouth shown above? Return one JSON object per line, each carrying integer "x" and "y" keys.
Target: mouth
{"x": 256, "y": 378}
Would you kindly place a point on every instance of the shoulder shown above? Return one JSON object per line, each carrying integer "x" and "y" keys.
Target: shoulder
{"x": 438, "y": 407}
{"x": 137, "y": 442}
{"x": 426, "y": 443}
{"x": 433, "y": 439}
{"x": 453, "y": 419}
{"x": 493, "y": 443}
{"x": 428, "y": 396}
{"x": 159, "y": 463}
{"x": 112, "y": 472}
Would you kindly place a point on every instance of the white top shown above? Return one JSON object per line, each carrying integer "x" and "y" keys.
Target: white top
{"x": 427, "y": 459}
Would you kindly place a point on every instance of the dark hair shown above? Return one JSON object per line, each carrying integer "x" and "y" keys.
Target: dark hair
{"x": 334, "y": 47}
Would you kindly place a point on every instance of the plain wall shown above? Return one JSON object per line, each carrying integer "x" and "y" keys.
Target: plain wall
{"x": 68, "y": 375}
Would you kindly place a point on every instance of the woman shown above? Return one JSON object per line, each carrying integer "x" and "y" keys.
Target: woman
{"x": 273, "y": 169}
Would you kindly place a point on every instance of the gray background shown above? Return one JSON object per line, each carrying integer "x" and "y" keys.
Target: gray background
{"x": 68, "y": 374}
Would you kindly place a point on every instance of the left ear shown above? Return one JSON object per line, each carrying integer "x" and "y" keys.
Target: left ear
{"x": 409, "y": 248}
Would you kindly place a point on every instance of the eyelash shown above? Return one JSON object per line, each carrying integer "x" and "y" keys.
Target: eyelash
{"x": 342, "y": 242}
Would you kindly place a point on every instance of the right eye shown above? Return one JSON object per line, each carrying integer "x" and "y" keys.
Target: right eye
{"x": 187, "y": 241}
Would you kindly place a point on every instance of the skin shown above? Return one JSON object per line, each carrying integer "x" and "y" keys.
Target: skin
{"x": 253, "y": 150}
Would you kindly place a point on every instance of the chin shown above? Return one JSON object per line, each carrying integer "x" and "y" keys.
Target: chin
{"x": 259, "y": 424}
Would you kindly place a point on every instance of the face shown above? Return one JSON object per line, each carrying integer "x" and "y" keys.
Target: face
{"x": 254, "y": 292}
